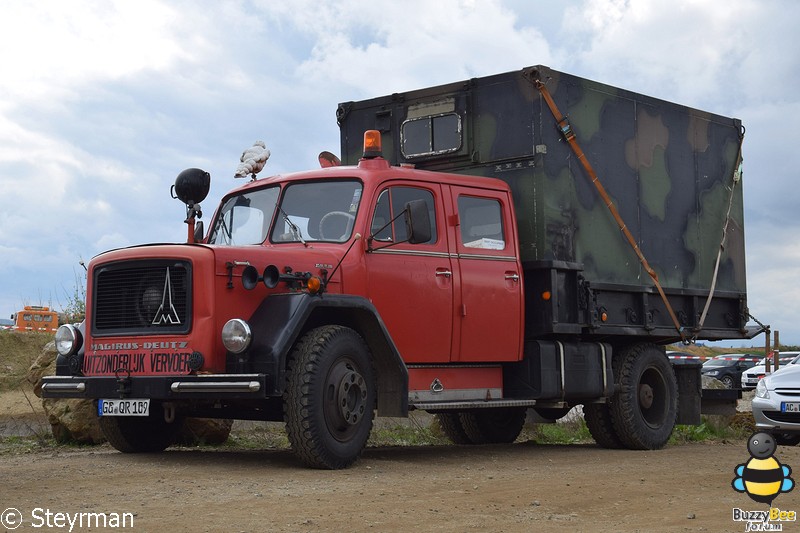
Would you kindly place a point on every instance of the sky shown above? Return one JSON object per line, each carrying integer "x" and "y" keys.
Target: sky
{"x": 103, "y": 103}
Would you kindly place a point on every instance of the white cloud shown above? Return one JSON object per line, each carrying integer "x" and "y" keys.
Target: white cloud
{"x": 103, "y": 102}
{"x": 53, "y": 47}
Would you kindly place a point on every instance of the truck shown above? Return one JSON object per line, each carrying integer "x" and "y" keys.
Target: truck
{"x": 528, "y": 240}
{"x": 36, "y": 318}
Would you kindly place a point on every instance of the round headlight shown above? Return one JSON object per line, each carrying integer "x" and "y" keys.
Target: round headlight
{"x": 236, "y": 335}
{"x": 68, "y": 339}
{"x": 761, "y": 389}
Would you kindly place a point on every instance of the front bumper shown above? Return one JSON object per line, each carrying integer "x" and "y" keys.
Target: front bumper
{"x": 199, "y": 387}
{"x": 768, "y": 416}
{"x": 750, "y": 382}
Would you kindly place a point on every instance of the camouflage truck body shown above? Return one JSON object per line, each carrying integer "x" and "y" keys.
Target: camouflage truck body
{"x": 671, "y": 171}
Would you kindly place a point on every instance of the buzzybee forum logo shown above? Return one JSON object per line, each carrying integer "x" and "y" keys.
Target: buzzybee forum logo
{"x": 763, "y": 478}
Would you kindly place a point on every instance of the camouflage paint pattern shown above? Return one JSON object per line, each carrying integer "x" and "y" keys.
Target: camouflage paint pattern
{"x": 668, "y": 168}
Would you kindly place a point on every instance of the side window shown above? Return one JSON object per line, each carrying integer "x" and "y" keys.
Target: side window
{"x": 481, "y": 223}
{"x": 391, "y": 203}
{"x": 431, "y": 135}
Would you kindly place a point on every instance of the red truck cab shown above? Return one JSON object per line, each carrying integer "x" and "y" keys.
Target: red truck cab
{"x": 410, "y": 279}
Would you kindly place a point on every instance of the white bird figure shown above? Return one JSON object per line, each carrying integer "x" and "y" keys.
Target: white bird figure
{"x": 253, "y": 160}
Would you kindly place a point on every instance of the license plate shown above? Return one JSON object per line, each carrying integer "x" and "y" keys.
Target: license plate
{"x": 123, "y": 407}
{"x": 790, "y": 407}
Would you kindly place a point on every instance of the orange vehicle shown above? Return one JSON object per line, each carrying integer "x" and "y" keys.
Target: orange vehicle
{"x": 35, "y": 318}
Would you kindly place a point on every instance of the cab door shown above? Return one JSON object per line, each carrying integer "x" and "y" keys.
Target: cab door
{"x": 411, "y": 285}
{"x": 489, "y": 291}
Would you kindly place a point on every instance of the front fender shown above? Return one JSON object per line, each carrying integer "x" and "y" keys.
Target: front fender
{"x": 281, "y": 319}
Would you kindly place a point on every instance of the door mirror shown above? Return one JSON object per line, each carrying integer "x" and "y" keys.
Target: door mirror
{"x": 418, "y": 222}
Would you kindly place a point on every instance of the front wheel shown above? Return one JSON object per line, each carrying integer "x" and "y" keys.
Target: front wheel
{"x": 135, "y": 434}
{"x": 644, "y": 408}
{"x": 330, "y": 395}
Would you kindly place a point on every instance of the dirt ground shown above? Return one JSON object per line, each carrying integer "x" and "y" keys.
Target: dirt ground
{"x": 518, "y": 487}
{"x": 501, "y": 488}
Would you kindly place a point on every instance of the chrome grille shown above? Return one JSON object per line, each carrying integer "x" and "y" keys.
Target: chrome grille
{"x": 142, "y": 297}
{"x": 778, "y": 416}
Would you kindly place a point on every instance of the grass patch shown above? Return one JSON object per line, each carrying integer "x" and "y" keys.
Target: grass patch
{"x": 257, "y": 436}
{"x": 15, "y": 445}
{"x": 573, "y": 431}
{"x": 17, "y": 352}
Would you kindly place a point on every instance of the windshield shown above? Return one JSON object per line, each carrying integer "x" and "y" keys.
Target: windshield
{"x": 317, "y": 211}
{"x": 245, "y": 218}
{"x": 718, "y": 363}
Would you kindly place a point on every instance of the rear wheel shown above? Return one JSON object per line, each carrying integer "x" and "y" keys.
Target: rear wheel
{"x": 552, "y": 413}
{"x": 644, "y": 408}
{"x": 141, "y": 434}
{"x": 329, "y": 400}
{"x": 452, "y": 428}
{"x": 494, "y": 425}
{"x": 598, "y": 420}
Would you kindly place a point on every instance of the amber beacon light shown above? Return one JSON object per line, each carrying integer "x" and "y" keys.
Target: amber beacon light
{"x": 372, "y": 144}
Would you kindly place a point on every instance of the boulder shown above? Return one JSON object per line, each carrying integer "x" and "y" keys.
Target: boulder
{"x": 71, "y": 420}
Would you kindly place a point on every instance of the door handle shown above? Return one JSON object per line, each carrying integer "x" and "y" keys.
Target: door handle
{"x": 445, "y": 273}
{"x": 513, "y": 277}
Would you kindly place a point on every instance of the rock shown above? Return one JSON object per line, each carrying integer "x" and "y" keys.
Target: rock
{"x": 71, "y": 420}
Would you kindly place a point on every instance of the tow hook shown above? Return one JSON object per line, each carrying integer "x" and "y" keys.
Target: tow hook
{"x": 169, "y": 412}
{"x": 123, "y": 383}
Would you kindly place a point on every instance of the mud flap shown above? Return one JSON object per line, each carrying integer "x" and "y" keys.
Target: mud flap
{"x": 689, "y": 393}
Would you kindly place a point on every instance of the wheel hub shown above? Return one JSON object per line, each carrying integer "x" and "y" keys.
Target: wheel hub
{"x": 646, "y": 396}
{"x": 352, "y": 397}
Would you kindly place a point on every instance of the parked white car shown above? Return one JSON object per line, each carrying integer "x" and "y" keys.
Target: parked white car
{"x": 776, "y": 405}
{"x": 751, "y": 377}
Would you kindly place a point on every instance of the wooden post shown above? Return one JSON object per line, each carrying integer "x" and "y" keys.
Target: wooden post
{"x": 767, "y": 350}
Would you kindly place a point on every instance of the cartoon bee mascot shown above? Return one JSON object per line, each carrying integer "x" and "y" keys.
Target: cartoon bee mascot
{"x": 762, "y": 477}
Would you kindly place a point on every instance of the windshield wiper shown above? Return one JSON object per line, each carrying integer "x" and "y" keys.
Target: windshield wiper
{"x": 296, "y": 233}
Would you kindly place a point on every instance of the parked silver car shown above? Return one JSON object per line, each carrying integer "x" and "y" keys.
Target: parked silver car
{"x": 776, "y": 405}
{"x": 751, "y": 376}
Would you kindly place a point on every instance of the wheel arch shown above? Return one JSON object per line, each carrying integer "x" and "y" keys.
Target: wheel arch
{"x": 281, "y": 320}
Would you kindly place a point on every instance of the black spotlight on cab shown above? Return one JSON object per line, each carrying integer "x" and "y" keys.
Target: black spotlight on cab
{"x": 191, "y": 187}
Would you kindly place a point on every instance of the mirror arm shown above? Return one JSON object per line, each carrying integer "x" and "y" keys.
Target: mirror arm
{"x": 372, "y": 235}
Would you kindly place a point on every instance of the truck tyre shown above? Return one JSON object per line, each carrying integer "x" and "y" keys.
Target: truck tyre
{"x": 598, "y": 420}
{"x": 135, "y": 434}
{"x": 644, "y": 408}
{"x": 452, "y": 428}
{"x": 330, "y": 396}
{"x": 493, "y": 425}
{"x": 786, "y": 439}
